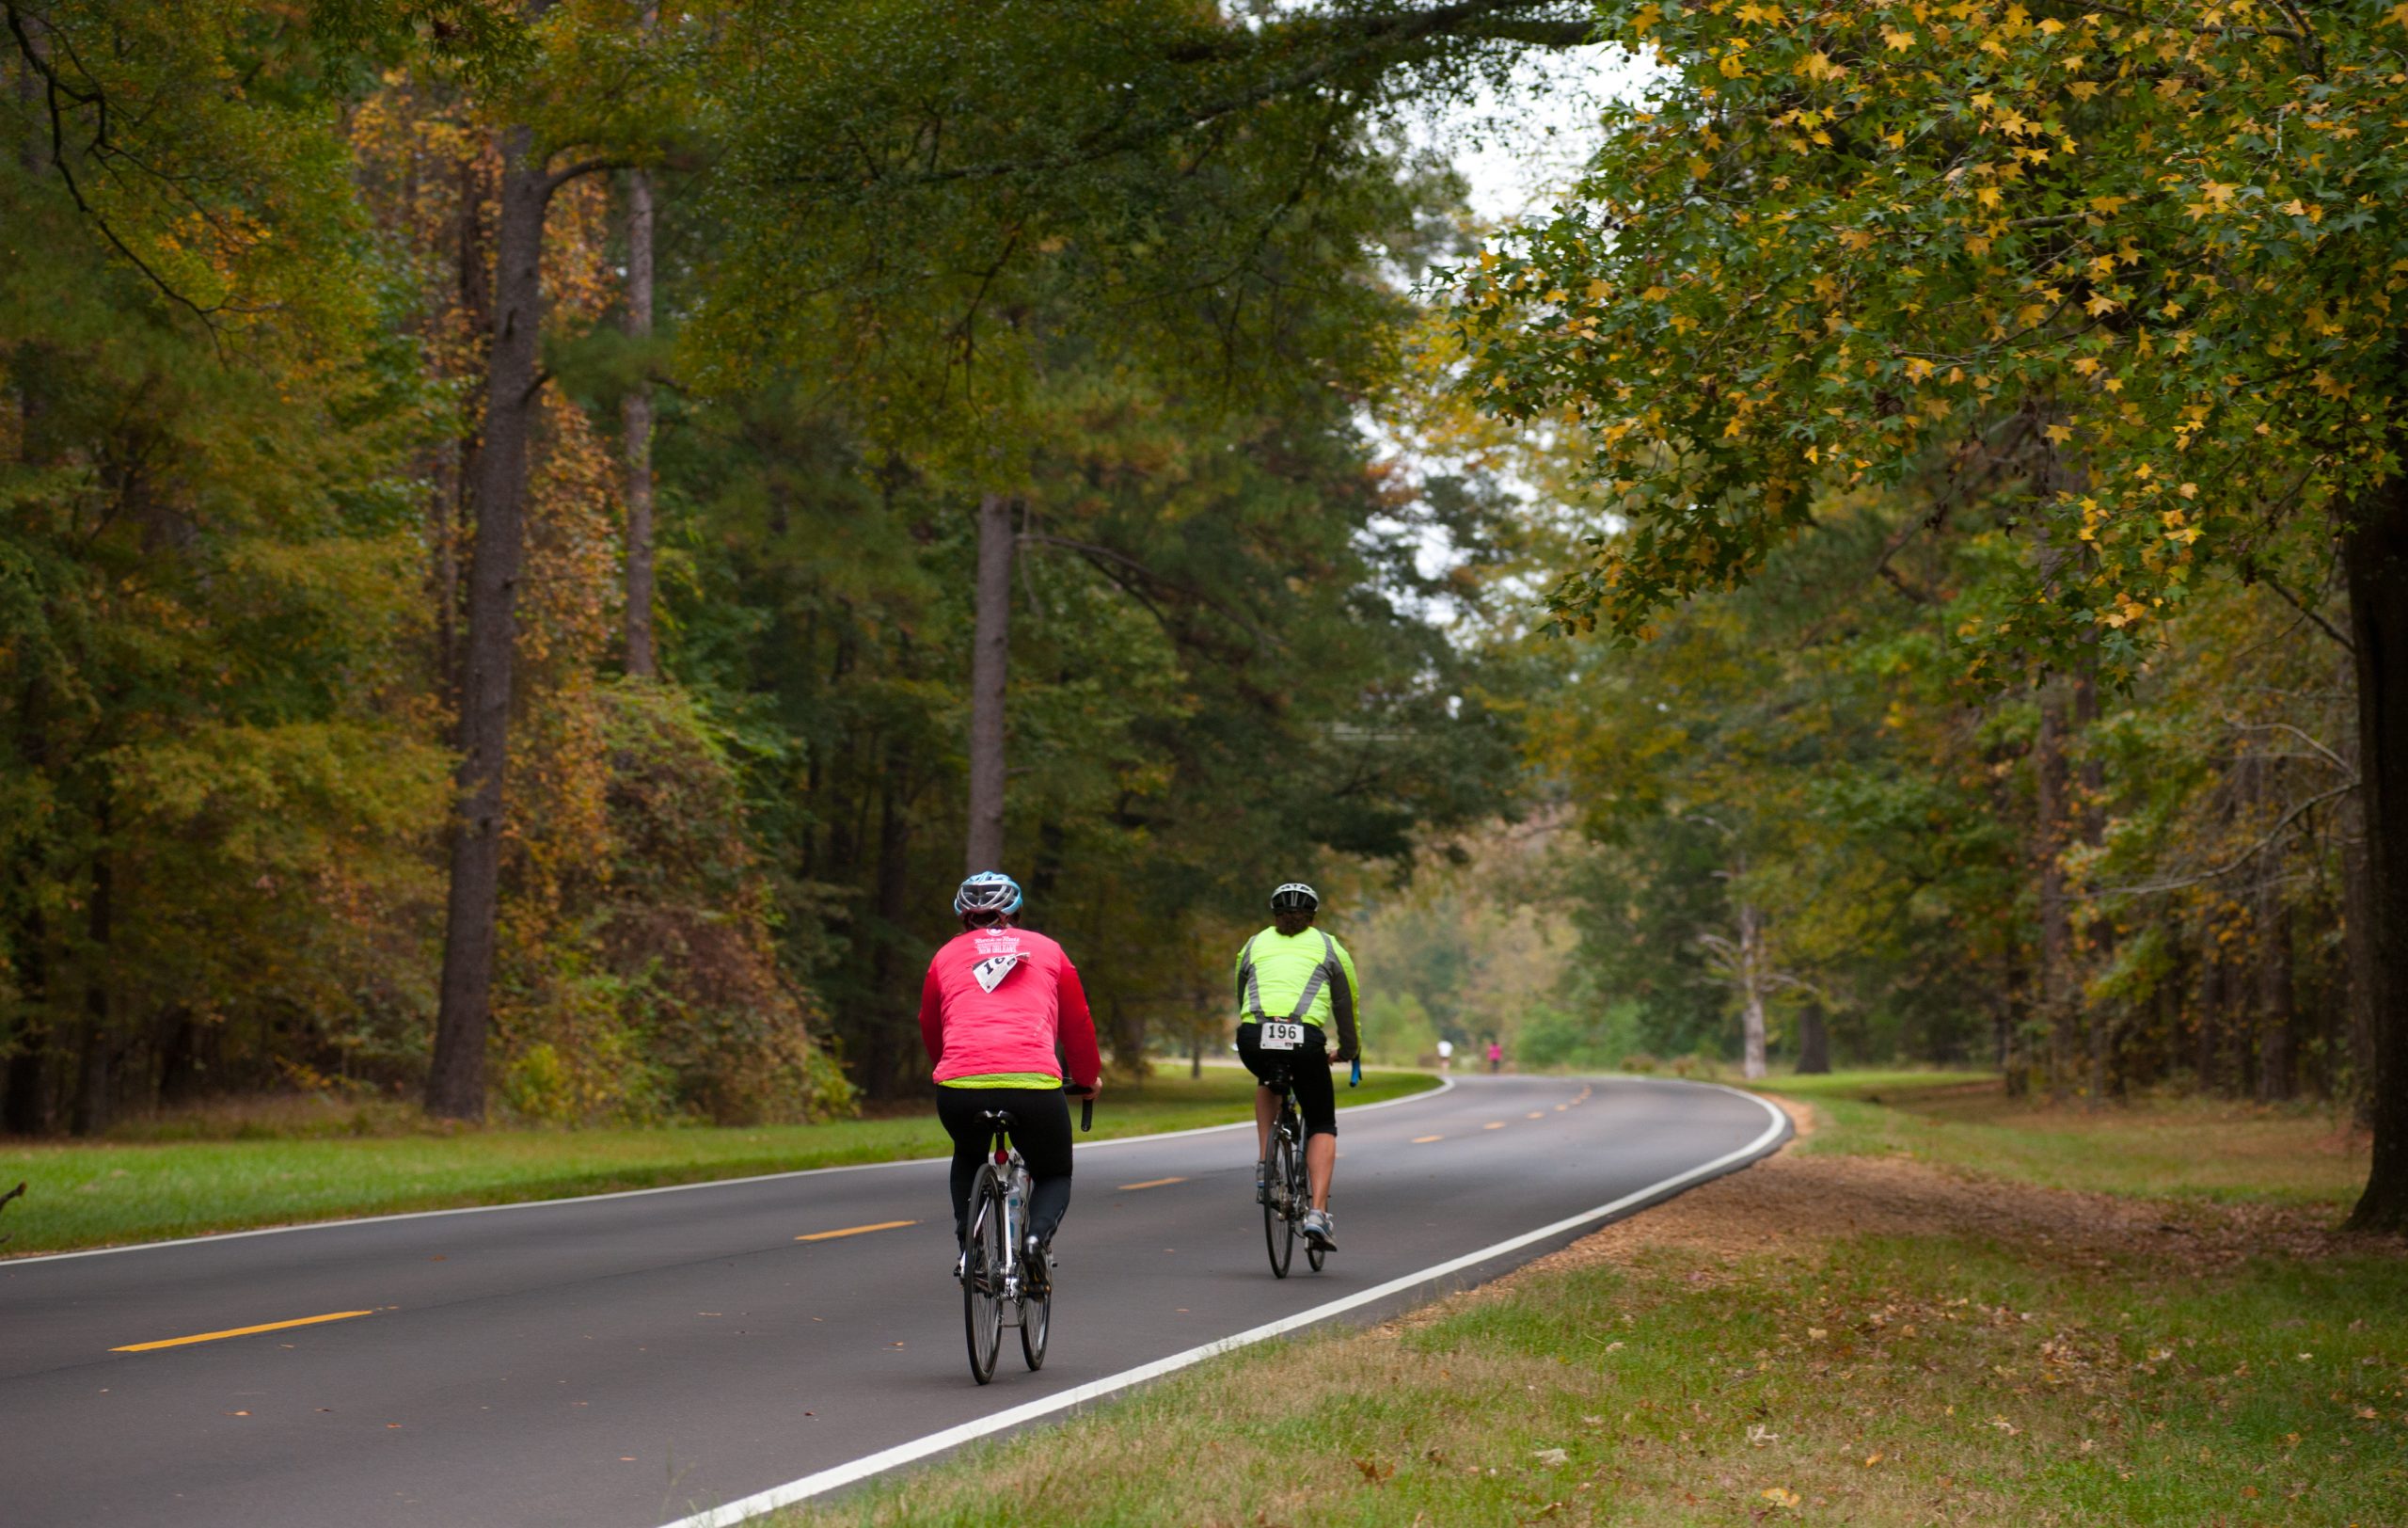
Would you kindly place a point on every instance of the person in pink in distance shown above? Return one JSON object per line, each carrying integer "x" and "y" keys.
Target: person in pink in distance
{"x": 1000, "y": 1012}
{"x": 1495, "y": 1057}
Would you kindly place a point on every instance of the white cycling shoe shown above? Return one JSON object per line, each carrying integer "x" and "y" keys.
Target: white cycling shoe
{"x": 1321, "y": 1230}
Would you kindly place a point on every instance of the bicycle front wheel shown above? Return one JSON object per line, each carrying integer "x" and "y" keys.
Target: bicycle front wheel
{"x": 1037, "y": 1322}
{"x": 1278, "y": 1208}
{"x": 982, "y": 1278}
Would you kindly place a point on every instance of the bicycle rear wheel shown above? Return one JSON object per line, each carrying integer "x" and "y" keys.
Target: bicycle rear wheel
{"x": 982, "y": 1278}
{"x": 1278, "y": 1222}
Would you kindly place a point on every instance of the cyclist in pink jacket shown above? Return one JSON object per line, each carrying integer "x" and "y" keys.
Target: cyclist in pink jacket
{"x": 998, "y": 1001}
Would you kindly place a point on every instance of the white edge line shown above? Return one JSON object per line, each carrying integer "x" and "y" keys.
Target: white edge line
{"x": 1445, "y": 1086}
{"x": 937, "y": 1442}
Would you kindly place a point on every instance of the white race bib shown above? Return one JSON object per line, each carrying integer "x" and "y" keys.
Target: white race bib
{"x": 991, "y": 971}
{"x": 1279, "y": 1036}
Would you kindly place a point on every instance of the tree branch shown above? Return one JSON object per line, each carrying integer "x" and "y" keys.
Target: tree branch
{"x": 2220, "y": 871}
{"x": 1363, "y": 40}
{"x": 1094, "y": 553}
{"x": 2296, "y": 603}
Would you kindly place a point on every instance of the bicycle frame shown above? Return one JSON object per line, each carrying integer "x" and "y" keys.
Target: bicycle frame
{"x": 1006, "y": 1160}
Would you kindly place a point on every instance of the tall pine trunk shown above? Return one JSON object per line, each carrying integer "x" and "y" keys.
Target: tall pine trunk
{"x": 1751, "y": 978}
{"x": 2277, "y": 1013}
{"x": 2374, "y": 554}
{"x": 95, "y": 1080}
{"x": 455, "y": 1082}
{"x": 1813, "y": 1040}
{"x": 2357, "y": 949}
{"x": 989, "y": 662}
{"x": 636, "y": 414}
{"x": 2052, "y": 778}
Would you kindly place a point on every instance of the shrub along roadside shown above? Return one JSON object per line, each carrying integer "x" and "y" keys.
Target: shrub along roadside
{"x": 102, "y": 1195}
{"x": 2040, "y": 1358}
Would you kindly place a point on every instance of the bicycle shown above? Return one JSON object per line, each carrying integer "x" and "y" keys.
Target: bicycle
{"x": 993, "y": 1274}
{"x": 1286, "y": 1191}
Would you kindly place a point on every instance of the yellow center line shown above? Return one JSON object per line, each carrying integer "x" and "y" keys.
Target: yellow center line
{"x": 1494, "y": 1124}
{"x": 239, "y": 1332}
{"x": 856, "y": 1231}
{"x": 1535, "y": 1114}
{"x": 1424, "y": 1140}
{"x": 1152, "y": 1183}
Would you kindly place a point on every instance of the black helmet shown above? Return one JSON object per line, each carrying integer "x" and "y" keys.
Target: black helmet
{"x": 1295, "y": 897}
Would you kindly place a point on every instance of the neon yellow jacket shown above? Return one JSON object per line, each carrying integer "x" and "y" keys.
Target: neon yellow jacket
{"x": 1309, "y": 977}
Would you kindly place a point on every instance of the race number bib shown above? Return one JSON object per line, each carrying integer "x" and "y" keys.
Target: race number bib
{"x": 991, "y": 971}
{"x": 1279, "y": 1036}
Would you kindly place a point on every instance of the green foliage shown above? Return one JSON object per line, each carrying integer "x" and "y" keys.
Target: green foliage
{"x": 220, "y": 795}
{"x": 1136, "y": 267}
{"x": 1840, "y": 244}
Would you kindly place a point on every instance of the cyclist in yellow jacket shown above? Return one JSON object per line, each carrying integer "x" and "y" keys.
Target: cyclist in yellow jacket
{"x": 1294, "y": 983}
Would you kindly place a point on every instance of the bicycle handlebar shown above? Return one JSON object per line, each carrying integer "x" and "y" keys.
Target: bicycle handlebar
{"x": 1356, "y": 1080}
{"x": 1087, "y": 1114}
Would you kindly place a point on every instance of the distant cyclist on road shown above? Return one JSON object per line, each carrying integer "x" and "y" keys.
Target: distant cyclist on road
{"x": 997, "y": 999}
{"x": 1297, "y": 981}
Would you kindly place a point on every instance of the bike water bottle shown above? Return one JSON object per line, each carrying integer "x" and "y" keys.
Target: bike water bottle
{"x": 1012, "y": 1200}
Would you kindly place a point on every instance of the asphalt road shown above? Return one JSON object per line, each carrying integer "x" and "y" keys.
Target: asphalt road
{"x": 624, "y": 1360}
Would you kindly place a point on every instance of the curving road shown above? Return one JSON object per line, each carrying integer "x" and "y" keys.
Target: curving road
{"x": 632, "y": 1359}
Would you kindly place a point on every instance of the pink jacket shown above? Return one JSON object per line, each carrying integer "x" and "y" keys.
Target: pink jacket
{"x": 997, "y": 999}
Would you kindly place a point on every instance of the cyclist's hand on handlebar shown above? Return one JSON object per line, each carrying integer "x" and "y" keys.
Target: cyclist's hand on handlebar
{"x": 1090, "y": 1093}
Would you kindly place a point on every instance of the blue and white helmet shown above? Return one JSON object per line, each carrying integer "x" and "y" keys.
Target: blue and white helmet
{"x": 988, "y": 891}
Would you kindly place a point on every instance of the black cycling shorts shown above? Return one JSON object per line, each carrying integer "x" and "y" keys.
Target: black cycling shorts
{"x": 1308, "y": 1064}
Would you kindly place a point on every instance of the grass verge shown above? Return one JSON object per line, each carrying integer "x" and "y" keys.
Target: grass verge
{"x": 1842, "y": 1334}
{"x": 105, "y": 1194}
{"x": 2174, "y": 1148}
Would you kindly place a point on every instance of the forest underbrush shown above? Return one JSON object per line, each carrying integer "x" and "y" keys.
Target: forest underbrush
{"x": 1859, "y": 1330}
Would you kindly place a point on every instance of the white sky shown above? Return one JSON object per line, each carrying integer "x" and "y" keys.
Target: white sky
{"x": 1521, "y": 150}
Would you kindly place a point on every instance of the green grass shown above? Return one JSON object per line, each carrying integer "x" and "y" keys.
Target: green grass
{"x": 104, "y": 1194}
{"x": 2205, "y": 1149}
{"x": 1879, "y": 1380}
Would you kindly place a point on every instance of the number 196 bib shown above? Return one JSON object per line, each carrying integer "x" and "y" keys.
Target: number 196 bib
{"x": 1280, "y": 1036}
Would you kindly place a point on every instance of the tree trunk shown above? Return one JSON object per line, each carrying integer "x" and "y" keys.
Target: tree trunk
{"x": 1814, "y": 1042}
{"x": 2357, "y": 954}
{"x": 94, "y": 1082}
{"x": 636, "y": 413}
{"x": 1752, "y": 1017}
{"x": 2052, "y": 780}
{"x": 2013, "y": 1025}
{"x": 1127, "y": 1038}
{"x": 25, "y": 1095}
{"x": 990, "y": 650}
{"x": 2374, "y": 552}
{"x": 455, "y": 1082}
{"x": 2097, "y": 1023}
{"x": 2277, "y": 1043}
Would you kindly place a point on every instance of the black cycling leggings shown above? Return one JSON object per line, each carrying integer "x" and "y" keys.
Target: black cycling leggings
{"x": 1308, "y": 1064}
{"x": 1041, "y": 1130}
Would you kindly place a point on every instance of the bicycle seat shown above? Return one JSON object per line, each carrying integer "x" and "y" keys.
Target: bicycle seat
{"x": 998, "y": 1116}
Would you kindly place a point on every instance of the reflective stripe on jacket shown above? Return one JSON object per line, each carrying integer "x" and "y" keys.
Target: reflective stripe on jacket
{"x": 1307, "y": 977}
